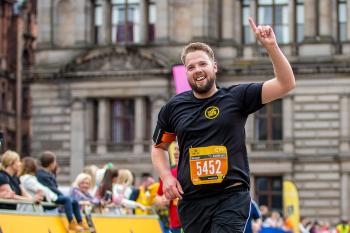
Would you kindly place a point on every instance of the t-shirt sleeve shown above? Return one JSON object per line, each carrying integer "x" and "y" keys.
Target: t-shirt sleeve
{"x": 3, "y": 180}
{"x": 163, "y": 119}
{"x": 250, "y": 97}
{"x": 255, "y": 211}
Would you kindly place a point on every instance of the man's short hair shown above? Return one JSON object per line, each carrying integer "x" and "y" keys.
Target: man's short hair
{"x": 197, "y": 46}
{"x": 47, "y": 158}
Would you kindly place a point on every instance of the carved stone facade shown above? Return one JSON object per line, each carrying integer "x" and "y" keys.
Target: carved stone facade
{"x": 17, "y": 36}
{"x": 81, "y": 83}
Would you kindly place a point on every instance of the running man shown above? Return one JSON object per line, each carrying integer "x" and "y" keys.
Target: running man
{"x": 213, "y": 172}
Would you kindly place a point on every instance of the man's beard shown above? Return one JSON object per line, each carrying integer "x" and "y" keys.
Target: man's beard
{"x": 202, "y": 89}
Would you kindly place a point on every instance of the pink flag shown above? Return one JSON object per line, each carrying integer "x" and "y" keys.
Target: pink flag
{"x": 180, "y": 79}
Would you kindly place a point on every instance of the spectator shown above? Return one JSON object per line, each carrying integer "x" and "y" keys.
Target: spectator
{"x": 122, "y": 189}
{"x": 10, "y": 185}
{"x": 275, "y": 220}
{"x": 264, "y": 211}
{"x": 80, "y": 191}
{"x": 254, "y": 220}
{"x": 31, "y": 183}
{"x": 105, "y": 190}
{"x": 92, "y": 170}
{"x": 304, "y": 225}
{"x": 343, "y": 226}
{"x": 146, "y": 193}
{"x": 46, "y": 176}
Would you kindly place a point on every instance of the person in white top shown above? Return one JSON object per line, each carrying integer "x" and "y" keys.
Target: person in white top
{"x": 31, "y": 183}
{"x": 122, "y": 190}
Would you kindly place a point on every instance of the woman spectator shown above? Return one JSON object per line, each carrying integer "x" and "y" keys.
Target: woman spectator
{"x": 10, "y": 185}
{"x": 104, "y": 192}
{"x": 81, "y": 188}
{"x": 31, "y": 183}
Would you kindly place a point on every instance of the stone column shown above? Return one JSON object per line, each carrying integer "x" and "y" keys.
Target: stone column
{"x": 162, "y": 23}
{"x": 228, "y": 19}
{"x": 348, "y": 18}
{"x": 310, "y": 23}
{"x": 144, "y": 21}
{"x": 77, "y": 139}
{"x": 44, "y": 22}
{"x": 80, "y": 21}
{"x": 199, "y": 26}
{"x": 106, "y": 23}
{"x": 140, "y": 122}
{"x": 89, "y": 125}
{"x": 344, "y": 146}
{"x": 103, "y": 129}
{"x": 344, "y": 197}
{"x": 236, "y": 23}
{"x": 325, "y": 19}
{"x": 288, "y": 120}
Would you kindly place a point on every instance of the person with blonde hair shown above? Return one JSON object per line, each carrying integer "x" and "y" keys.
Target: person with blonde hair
{"x": 122, "y": 190}
{"x": 81, "y": 188}
{"x": 10, "y": 185}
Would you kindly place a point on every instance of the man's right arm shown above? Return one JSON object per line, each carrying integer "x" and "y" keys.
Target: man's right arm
{"x": 171, "y": 186}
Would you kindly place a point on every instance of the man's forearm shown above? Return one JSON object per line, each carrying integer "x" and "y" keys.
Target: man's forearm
{"x": 160, "y": 162}
{"x": 282, "y": 68}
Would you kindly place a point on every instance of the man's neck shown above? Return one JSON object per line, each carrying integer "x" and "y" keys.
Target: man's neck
{"x": 207, "y": 94}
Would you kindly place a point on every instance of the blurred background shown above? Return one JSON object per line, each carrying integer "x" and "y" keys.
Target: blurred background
{"x": 87, "y": 78}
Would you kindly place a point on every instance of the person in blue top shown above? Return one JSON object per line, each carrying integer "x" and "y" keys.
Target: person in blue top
{"x": 254, "y": 220}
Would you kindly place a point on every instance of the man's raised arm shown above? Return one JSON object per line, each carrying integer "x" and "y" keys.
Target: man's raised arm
{"x": 284, "y": 80}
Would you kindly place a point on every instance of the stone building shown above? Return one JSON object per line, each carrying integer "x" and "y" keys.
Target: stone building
{"x": 17, "y": 35}
{"x": 102, "y": 73}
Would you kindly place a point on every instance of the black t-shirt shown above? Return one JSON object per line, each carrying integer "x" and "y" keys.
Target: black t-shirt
{"x": 14, "y": 183}
{"x": 216, "y": 121}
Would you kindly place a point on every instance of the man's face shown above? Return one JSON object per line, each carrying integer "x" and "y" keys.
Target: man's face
{"x": 201, "y": 71}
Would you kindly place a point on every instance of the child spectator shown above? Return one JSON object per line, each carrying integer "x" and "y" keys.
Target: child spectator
{"x": 31, "y": 183}
{"x": 122, "y": 190}
{"x": 46, "y": 177}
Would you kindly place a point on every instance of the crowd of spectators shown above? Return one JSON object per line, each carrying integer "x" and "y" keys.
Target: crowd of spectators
{"x": 113, "y": 191}
{"x": 101, "y": 190}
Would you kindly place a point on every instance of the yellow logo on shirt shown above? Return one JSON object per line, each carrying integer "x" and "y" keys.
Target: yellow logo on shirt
{"x": 211, "y": 112}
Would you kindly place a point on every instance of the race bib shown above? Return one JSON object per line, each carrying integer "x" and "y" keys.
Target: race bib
{"x": 208, "y": 164}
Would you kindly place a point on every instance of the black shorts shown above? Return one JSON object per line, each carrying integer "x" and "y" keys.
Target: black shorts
{"x": 224, "y": 213}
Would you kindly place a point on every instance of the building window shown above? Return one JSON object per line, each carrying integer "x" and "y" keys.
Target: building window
{"x": 275, "y": 14}
{"x": 152, "y": 16}
{"x": 123, "y": 114}
{"x": 247, "y": 32}
{"x": 268, "y": 131}
{"x": 98, "y": 21}
{"x": 125, "y": 23}
{"x": 342, "y": 32}
{"x": 268, "y": 191}
{"x": 300, "y": 19}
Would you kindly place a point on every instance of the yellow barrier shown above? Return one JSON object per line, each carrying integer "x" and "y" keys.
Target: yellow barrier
{"x": 11, "y": 222}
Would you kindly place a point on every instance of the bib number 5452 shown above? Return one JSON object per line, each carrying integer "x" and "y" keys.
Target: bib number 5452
{"x": 208, "y": 167}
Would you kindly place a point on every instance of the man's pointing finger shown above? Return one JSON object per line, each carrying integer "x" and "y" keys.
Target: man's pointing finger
{"x": 252, "y": 24}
